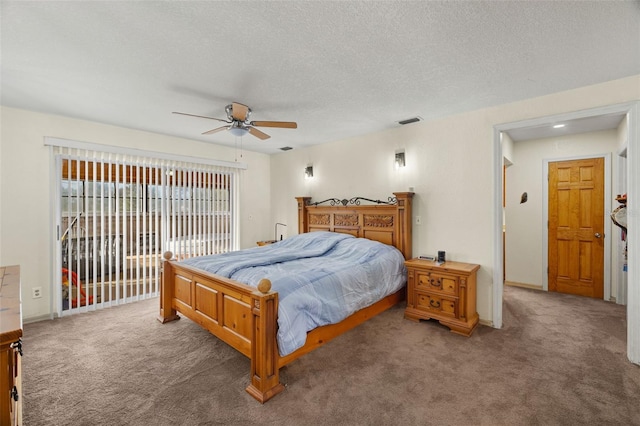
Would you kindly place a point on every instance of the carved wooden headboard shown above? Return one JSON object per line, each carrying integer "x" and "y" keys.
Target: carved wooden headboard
{"x": 386, "y": 221}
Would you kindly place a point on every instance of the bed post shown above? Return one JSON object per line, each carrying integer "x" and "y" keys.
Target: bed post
{"x": 265, "y": 374}
{"x": 302, "y": 214}
{"x": 167, "y": 313}
{"x": 405, "y": 218}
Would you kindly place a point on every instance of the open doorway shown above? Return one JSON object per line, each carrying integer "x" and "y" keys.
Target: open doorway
{"x": 550, "y": 252}
{"x": 631, "y": 113}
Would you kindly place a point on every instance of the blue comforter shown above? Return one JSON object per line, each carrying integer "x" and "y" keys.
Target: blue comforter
{"x": 321, "y": 278}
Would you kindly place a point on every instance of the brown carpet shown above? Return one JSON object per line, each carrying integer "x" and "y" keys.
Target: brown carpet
{"x": 559, "y": 360}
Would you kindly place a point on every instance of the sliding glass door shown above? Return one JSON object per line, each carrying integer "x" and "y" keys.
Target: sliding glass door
{"x": 117, "y": 215}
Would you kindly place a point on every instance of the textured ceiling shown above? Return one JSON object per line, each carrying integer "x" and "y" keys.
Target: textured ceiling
{"x": 339, "y": 69}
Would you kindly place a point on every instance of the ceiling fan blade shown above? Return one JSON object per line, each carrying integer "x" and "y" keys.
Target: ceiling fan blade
{"x": 282, "y": 124}
{"x": 219, "y": 129}
{"x": 200, "y": 116}
{"x": 258, "y": 134}
{"x": 239, "y": 111}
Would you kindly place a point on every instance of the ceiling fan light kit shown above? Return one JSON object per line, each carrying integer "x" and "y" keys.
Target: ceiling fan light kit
{"x": 237, "y": 129}
{"x": 238, "y": 123}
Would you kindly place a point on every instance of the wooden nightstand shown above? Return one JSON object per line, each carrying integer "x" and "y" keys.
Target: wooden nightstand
{"x": 445, "y": 292}
{"x": 264, "y": 243}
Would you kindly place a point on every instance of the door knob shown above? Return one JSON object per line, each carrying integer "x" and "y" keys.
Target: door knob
{"x": 598, "y": 235}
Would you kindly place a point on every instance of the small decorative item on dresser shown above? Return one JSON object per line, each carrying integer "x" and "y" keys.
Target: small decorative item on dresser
{"x": 445, "y": 292}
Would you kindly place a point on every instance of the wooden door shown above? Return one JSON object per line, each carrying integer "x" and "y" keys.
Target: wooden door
{"x": 576, "y": 227}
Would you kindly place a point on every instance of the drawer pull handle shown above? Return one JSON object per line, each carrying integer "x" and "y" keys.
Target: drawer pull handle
{"x": 14, "y": 394}
{"x": 434, "y": 304}
{"x": 438, "y": 283}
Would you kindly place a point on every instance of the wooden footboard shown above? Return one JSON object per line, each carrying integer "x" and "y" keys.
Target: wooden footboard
{"x": 238, "y": 314}
{"x": 246, "y": 318}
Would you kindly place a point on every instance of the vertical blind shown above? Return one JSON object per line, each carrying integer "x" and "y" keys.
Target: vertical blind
{"x": 117, "y": 214}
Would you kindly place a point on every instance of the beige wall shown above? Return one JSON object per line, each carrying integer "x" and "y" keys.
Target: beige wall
{"x": 25, "y": 224}
{"x": 449, "y": 165}
{"x": 1, "y": 236}
{"x": 524, "y": 222}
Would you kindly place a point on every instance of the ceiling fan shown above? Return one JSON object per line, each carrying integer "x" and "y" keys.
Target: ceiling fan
{"x": 238, "y": 123}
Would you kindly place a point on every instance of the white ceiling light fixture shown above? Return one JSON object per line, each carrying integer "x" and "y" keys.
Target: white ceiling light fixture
{"x": 237, "y": 129}
{"x": 558, "y": 126}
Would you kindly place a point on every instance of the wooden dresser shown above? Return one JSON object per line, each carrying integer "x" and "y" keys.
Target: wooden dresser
{"x": 10, "y": 346}
{"x": 445, "y": 292}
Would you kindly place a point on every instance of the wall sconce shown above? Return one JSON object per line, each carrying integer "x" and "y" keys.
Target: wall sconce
{"x": 400, "y": 159}
{"x": 308, "y": 172}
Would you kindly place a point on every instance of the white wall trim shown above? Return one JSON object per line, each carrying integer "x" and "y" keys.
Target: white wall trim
{"x": 621, "y": 284}
{"x": 68, "y": 143}
{"x": 608, "y": 236}
{"x": 55, "y": 280}
{"x": 498, "y": 212}
{"x": 632, "y": 109}
{"x": 633, "y": 234}
{"x": 549, "y": 119}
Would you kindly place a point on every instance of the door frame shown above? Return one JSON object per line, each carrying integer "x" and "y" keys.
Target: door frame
{"x": 632, "y": 111}
{"x": 607, "y": 223}
{"x": 621, "y": 188}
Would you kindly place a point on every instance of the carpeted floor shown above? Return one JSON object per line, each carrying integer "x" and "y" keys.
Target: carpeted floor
{"x": 559, "y": 360}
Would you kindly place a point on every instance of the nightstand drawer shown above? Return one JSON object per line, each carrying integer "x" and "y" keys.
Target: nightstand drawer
{"x": 435, "y": 303}
{"x": 428, "y": 281}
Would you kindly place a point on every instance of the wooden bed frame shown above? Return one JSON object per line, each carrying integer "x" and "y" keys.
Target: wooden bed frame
{"x": 246, "y": 318}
